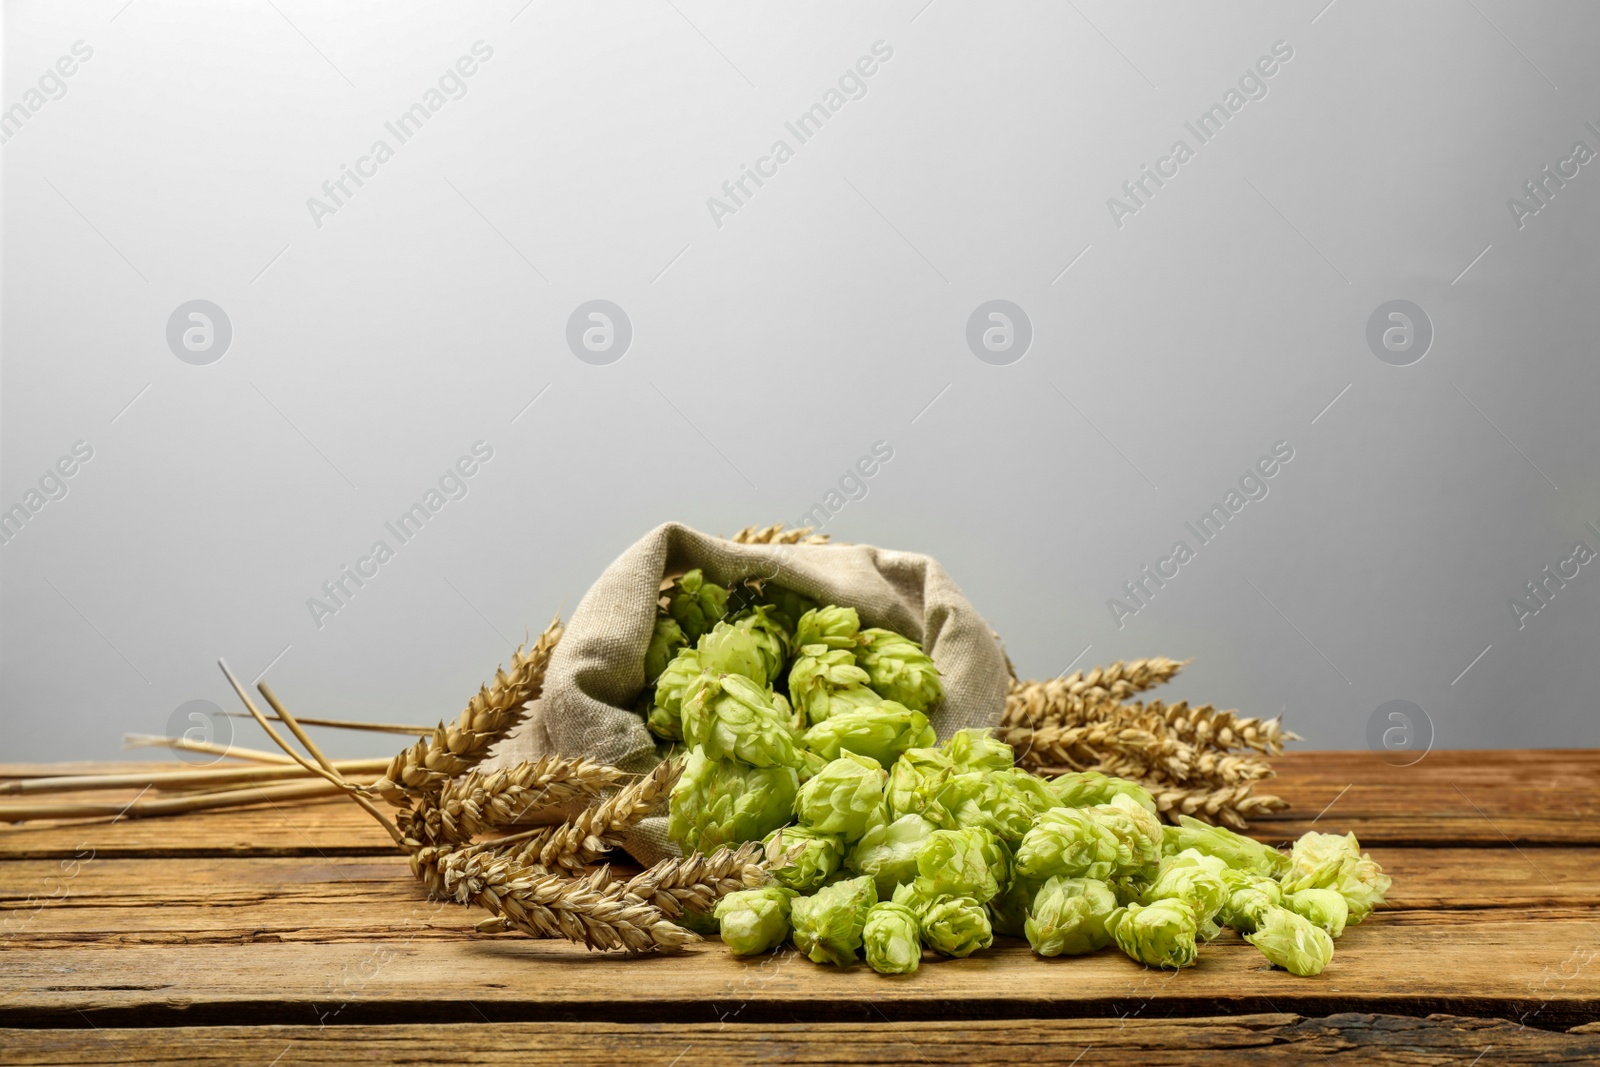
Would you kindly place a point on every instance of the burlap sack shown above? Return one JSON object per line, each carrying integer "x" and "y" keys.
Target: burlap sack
{"x": 597, "y": 671}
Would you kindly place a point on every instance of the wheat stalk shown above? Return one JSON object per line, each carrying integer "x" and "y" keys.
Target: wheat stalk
{"x": 488, "y": 717}
{"x": 590, "y": 910}
{"x": 585, "y": 837}
{"x": 1231, "y": 805}
{"x": 1205, "y": 725}
{"x": 777, "y": 535}
{"x": 1076, "y": 697}
{"x": 176, "y": 805}
{"x": 697, "y": 882}
{"x": 1091, "y": 745}
{"x": 484, "y": 801}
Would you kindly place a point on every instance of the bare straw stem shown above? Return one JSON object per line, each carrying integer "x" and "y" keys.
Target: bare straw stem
{"x": 316, "y": 754}
{"x": 276, "y": 738}
{"x": 352, "y": 724}
{"x": 231, "y": 798}
{"x": 208, "y": 777}
{"x": 183, "y": 744}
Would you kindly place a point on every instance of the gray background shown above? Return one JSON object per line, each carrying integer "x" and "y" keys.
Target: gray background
{"x": 769, "y": 353}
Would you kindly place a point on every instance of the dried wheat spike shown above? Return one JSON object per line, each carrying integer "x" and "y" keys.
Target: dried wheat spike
{"x": 488, "y": 717}
{"x": 592, "y": 911}
{"x": 1232, "y": 806}
{"x": 1075, "y": 697}
{"x": 1209, "y": 770}
{"x": 1089, "y": 746}
{"x": 585, "y": 837}
{"x": 482, "y": 802}
{"x": 777, "y": 535}
{"x": 1205, "y": 725}
{"x": 697, "y": 882}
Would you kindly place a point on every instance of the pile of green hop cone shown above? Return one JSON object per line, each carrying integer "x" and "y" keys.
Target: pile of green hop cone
{"x": 809, "y": 732}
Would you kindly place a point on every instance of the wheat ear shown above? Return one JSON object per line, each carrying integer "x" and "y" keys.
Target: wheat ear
{"x": 697, "y": 882}
{"x": 1232, "y": 805}
{"x": 591, "y": 911}
{"x": 1091, "y": 745}
{"x": 488, "y": 717}
{"x": 1073, "y": 699}
{"x": 486, "y": 801}
{"x": 585, "y": 837}
{"x": 1205, "y": 725}
{"x": 777, "y": 535}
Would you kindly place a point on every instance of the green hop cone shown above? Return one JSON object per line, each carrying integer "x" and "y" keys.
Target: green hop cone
{"x": 978, "y": 750}
{"x": 892, "y": 937}
{"x": 1158, "y": 935}
{"x": 732, "y": 717}
{"x": 681, "y": 674}
{"x": 915, "y": 782}
{"x": 1027, "y": 788}
{"x": 1363, "y": 886}
{"x": 1250, "y": 896}
{"x": 772, "y": 641}
{"x": 1139, "y": 835}
{"x": 987, "y": 800}
{"x": 788, "y": 607}
{"x": 721, "y": 802}
{"x": 801, "y": 858}
{"x": 1085, "y": 789}
{"x": 665, "y": 641}
{"x": 1068, "y": 917}
{"x": 1293, "y": 942}
{"x": 809, "y": 764}
{"x": 961, "y": 863}
{"x": 727, "y": 649}
{"x": 1329, "y": 861}
{"x": 899, "y": 669}
{"x": 753, "y": 921}
{"x": 827, "y": 924}
{"x": 1237, "y": 851}
{"x": 882, "y": 732}
{"x": 956, "y": 926}
{"x": 845, "y": 797}
{"x": 1195, "y": 879}
{"x": 1324, "y": 907}
{"x": 824, "y": 680}
{"x": 888, "y": 851}
{"x": 832, "y": 627}
{"x": 696, "y": 604}
{"x": 665, "y": 724}
{"x": 1068, "y": 843}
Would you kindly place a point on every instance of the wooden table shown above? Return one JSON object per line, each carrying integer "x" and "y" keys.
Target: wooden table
{"x": 293, "y": 934}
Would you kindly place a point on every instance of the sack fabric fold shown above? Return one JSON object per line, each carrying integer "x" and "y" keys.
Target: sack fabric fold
{"x": 596, "y": 673}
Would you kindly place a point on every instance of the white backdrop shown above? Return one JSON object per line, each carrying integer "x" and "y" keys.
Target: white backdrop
{"x": 1172, "y": 318}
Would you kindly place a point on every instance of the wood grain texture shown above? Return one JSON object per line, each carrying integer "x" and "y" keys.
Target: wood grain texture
{"x": 227, "y": 931}
{"x": 289, "y": 898}
{"x": 1246, "y": 1040}
{"x": 1509, "y": 968}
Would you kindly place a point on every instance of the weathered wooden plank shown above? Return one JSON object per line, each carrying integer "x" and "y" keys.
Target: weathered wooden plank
{"x": 203, "y": 900}
{"x": 322, "y": 828}
{"x": 1247, "y": 1040}
{"x": 1472, "y": 798}
{"x": 1478, "y": 797}
{"x": 1539, "y": 970}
